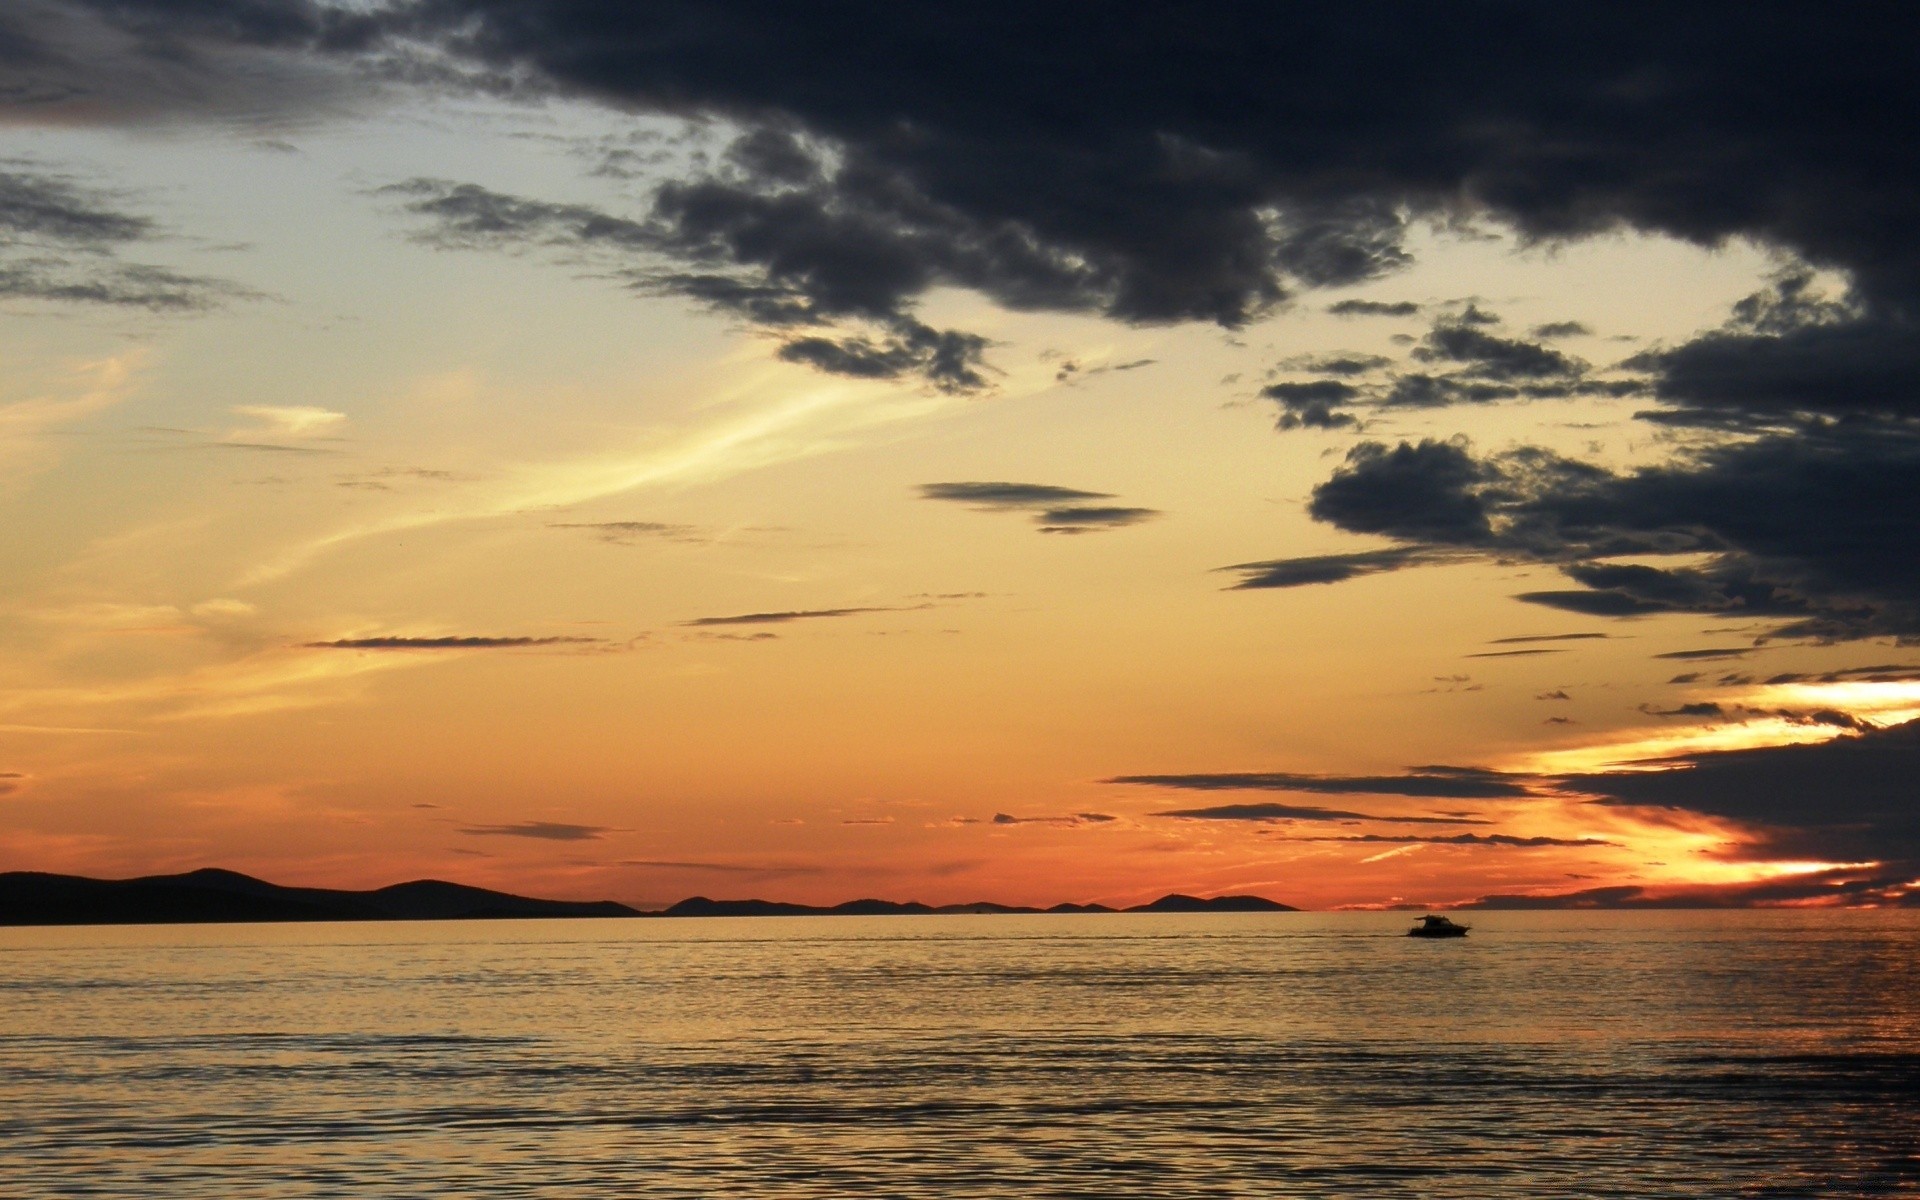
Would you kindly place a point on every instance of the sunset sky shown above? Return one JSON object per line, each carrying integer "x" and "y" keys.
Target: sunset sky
{"x": 596, "y": 449}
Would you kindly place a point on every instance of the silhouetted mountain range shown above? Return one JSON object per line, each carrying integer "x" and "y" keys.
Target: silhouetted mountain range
{"x": 212, "y": 895}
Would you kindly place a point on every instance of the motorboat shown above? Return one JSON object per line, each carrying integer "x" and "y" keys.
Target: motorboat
{"x": 1437, "y": 927}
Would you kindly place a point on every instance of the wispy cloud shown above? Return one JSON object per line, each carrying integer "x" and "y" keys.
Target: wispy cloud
{"x": 458, "y": 642}
{"x": 781, "y": 618}
{"x": 1054, "y": 509}
{"x": 546, "y": 831}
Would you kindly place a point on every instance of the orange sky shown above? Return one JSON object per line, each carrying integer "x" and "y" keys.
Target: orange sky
{"x": 522, "y": 490}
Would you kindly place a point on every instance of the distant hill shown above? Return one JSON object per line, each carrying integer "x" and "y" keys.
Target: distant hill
{"x": 700, "y": 906}
{"x": 1177, "y": 903}
{"x": 212, "y": 895}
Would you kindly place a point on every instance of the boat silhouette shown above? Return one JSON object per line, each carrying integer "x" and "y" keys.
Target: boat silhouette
{"x": 1438, "y": 927}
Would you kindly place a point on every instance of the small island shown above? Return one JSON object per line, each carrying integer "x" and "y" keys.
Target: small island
{"x": 211, "y": 895}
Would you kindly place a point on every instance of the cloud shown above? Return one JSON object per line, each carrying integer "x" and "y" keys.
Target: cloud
{"x": 1514, "y": 653}
{"x": 769, "y": 870}
{"x": 627, "y": 533}
{"x": 797, "y": 262}
{"x": 1547, "y": 637}
{"x": 1092, "y": 518}
{"x": 1374, "y": 308}
{"x": 1086, "y": 818}
{"x": 781, "y": 618}
{"x": 1297, "y": 812}
{"x": 1463, "y": 782}
{"x": 1327, "y": 568}
{"x": 1846, "y": 800}
{"x": 1466, "y": 783}
{"x": 1007, "y": 495}
{"x": 547, "y": 831}
{"x": 61, "y": 240}
{"x": 1054, "y": 509}
{"x": 1838, "y": 886}
{"x": 1465, "y": 839}
{"x": 1815, "y": 528}
{"x": 1561, "y": 329}
{"x": 292, "y": 420}
{"x": 455, "y": 642}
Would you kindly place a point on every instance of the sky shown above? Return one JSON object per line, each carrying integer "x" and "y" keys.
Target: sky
{"x": 1366, "y": 455}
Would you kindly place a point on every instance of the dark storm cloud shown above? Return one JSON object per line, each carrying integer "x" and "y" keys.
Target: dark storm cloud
{"x": 61, "y": 241}
{"x": 1054, "y": 509}
{"x": 448, "y": 643}
{"x": 1188, "y": 165}
{"x": 781, "y": 618}
{"x": 1191, "y": 164}
{"x": 548, "y": 831}
{"x": 1463, "y": 783}
{"x": 1817, "y": 528}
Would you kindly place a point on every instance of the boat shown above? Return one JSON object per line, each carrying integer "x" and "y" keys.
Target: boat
{"x": 1437, "y": 927}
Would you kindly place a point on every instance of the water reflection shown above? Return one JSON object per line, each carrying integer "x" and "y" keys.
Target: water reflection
{"x": 1551, "y": 1054}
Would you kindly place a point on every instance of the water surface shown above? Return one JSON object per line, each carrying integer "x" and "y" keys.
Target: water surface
{"x": 1550, "y": 1054}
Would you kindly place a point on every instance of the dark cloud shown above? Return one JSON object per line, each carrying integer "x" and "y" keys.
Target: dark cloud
{"x": 60, "y": 242}
{"x": 1298, "y": 812}
{"x": 1487, "y": 356}
{"x": 547, "y": 831}
{"x": 1374, "y": 308}
{"x": 1547, "y": 637}
{"x": 805, "y": 267}
{"x": 1560, "y": 329}
{"x": 1513, "y": 653}
{"x": 1007, "y": 495}
{"x": 1327, "y": 568}
{"x": 146, "y": 62}
{"x": 1848, "y": 800}
{"x": 1092, "y": 518}
{"x": 1553, "y": 695}
{"x": 1464, "y": 783}
{"x": 1709, "y": 654}
{"x": 1702, "y": 708}
{"x": 1465, "y": 839}
{"x": 1054, "y": 509}
{"x": 1312, "y": 403}
{"x": 448, "y": 643}
{"x": 1086, "y": 818}
{"x": 1843, "y": 886}
{"x": 781, "y": 618}
{"x": 1344, "y": 363}
{"x": 1817, "y": 529}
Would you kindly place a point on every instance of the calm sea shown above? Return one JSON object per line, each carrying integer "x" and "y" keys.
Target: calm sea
{"x": 1549, "y": 1054}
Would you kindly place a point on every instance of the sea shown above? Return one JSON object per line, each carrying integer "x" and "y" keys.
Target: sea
{"x": 1549, "y": 1054}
